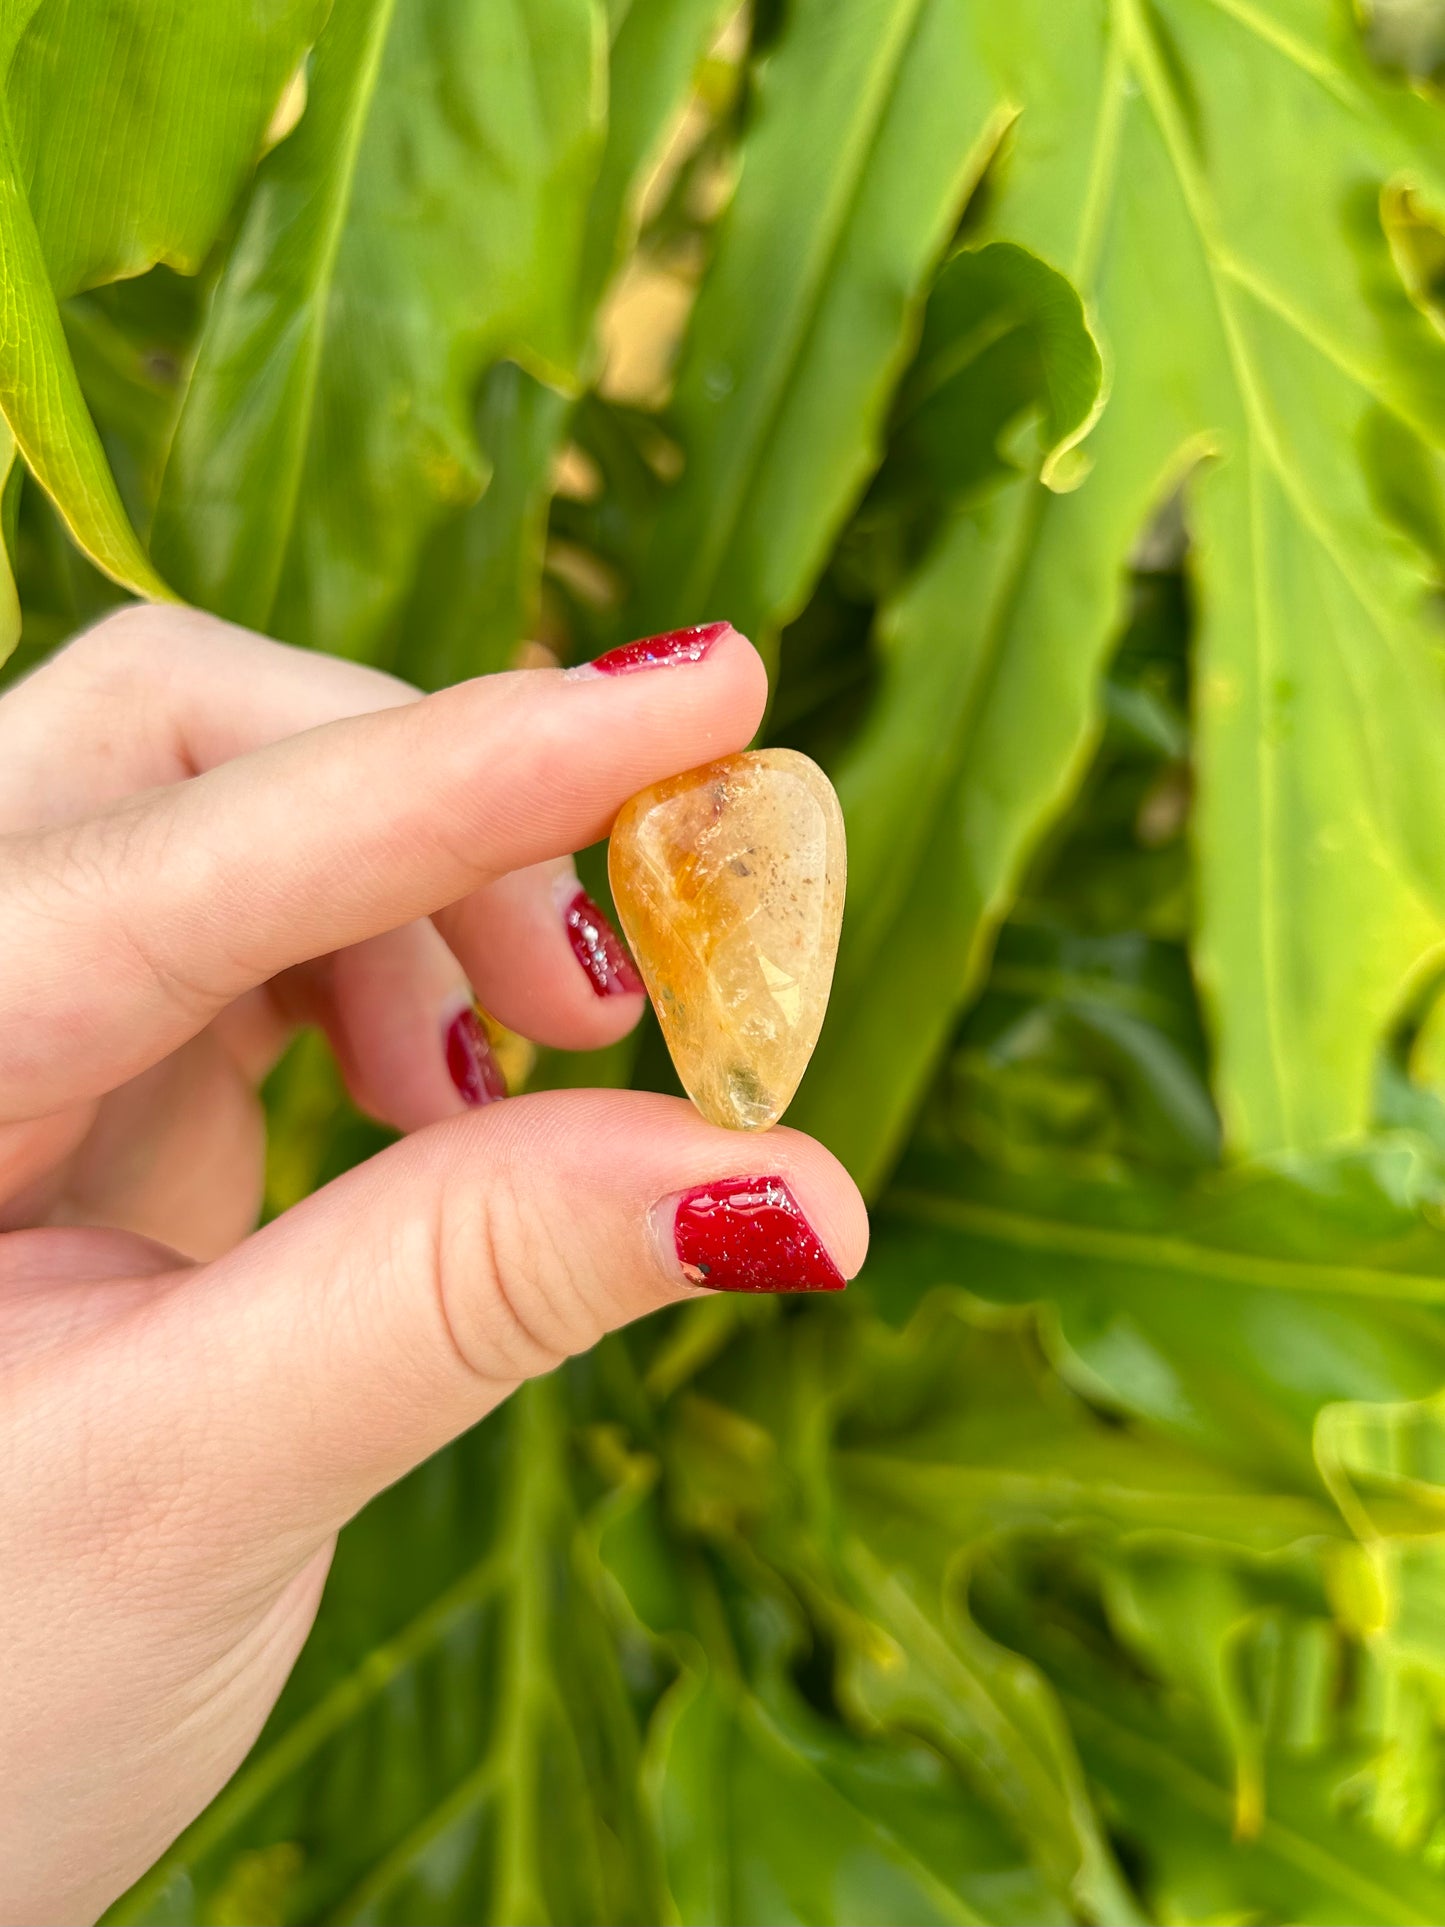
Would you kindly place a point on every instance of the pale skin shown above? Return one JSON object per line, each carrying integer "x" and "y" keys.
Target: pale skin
{"x": 206, "y": 839}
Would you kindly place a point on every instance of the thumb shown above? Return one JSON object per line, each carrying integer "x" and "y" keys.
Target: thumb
{"x": 350, "y": 1339}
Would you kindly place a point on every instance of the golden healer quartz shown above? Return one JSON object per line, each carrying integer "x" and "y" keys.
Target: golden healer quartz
{"x": 729, "y": 883}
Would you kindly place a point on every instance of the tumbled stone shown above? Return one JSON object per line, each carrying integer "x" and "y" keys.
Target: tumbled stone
{"x": 729, "y": 883}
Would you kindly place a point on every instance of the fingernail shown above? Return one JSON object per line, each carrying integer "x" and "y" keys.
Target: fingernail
{"x": 470, "y": 1062}
{"x": 597, "y": 946}
{"x": 749, "y": 1234}
{"x": 677, "y": 647}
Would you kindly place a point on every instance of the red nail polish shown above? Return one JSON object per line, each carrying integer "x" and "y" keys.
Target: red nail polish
{"x": 598, "y": 948}
{"x": 661, "y": 652}
{"x": 470, "y": 1062}
{"x": 749, "y": 1234}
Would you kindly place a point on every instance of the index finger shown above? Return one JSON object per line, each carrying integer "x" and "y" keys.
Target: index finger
{"x": 124, "y": 934}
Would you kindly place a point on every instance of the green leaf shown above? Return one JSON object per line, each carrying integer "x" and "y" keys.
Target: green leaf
{"x": 656, "y": 49}
{"x": 866, "y": 140}
{"x": 753, "y": 1792}
{"x": 130, "y": 343}
{"x": 1023, "y": 1453}
{"x": 1264, "y": 333}
{"x": 753, "y": 1798}
{"x": 978, "y": 727}
{"x": 41, "y": 401}
{"x": 902, "y": 1465}
{"x": 456, "y": 1712}
{"x": 959, "y": 1448}
{"x": 1229, "y": 1313}
{"x": 938, "y": 1675}
{"x": 1084, "y": 1047}
{"x": 962, "y": 394}
{"x": 129, "y": 129}
{"x": 853, "y": 1531}
{"x": 478, "y": 588}
{"x": 477, "y": 591}
{"x": 136, "y": 123}
{"x": 423, "y": 220}
{"x": 9, "y": 509}
{"x": 1266, "y": 328}
{"x": 1312, "y": 1857}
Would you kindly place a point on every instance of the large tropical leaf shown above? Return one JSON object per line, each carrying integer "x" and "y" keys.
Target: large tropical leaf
{"x": 136, "y": 122}
{"x": 1002, "y": 1766}
{"x": 750, "y": 1789}
{"x": 871, "y": 123}
{"x": 1310, "y": 1854}
{"x": 1270, "y": 331}
{"x": 476, "y": 595}
{"x": 126, "y": 129}
{"x": 978, "y": 725}
{"x": 478, "y": 587}
{"x": 1266, "y": 347}
{"x": 41, "y": 400}
{"x": 656, "y": 48}
{"x": 432, "y": 1747}
{"x": 1230, "y": 1313}
{"x": 424, "y": 219}
{"x": 892, "y": 1467}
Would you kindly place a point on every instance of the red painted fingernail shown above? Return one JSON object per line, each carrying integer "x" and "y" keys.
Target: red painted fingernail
{"x": 598, "y": 948}
{"x": 661, "y": 652}
{"x": 749, "y": 1234}
{"x": 472, "y": 1066}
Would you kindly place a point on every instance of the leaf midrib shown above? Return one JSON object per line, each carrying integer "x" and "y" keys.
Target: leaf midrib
{"x": 949, "y": 1903}
{"x": 505, "y": 1766}
{"x": 1079, "y": 1498}
{"x": 888, "y": 1598}
{"x": 1144, "y": 62}
{"x": 319, "y": 285}
{"x": 1320, "y": 70}
{"x": 1136, "y": 1250}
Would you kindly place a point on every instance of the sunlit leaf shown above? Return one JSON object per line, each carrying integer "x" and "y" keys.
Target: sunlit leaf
{"x": 424, "y": 219}
{"x": 9, "y": 508}
{"x": 136, "y": 123}
{"x": 41, "y": 400}
{"x": 851, "y": 182}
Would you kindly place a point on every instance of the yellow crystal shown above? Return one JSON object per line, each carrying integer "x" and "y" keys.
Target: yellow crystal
{"x": 729, "y": 882}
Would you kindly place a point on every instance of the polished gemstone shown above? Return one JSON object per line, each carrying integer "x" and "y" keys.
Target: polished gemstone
{"x": 729, "y": 883}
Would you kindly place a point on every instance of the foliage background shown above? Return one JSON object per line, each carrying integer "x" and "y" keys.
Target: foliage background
{"x": 1057, "y": 393}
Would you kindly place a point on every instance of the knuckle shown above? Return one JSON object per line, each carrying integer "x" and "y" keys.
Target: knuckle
{"x": 508, "y": 1290}
{"x": 107, "y": 648}
{"x": 131, "y": 653}
{"x": 92, "y": 866}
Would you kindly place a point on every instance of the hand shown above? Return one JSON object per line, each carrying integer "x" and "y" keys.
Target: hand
{"x": 204, "y": 839}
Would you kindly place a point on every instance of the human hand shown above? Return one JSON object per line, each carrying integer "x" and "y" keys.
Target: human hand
{"x": 206, "y": 838}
